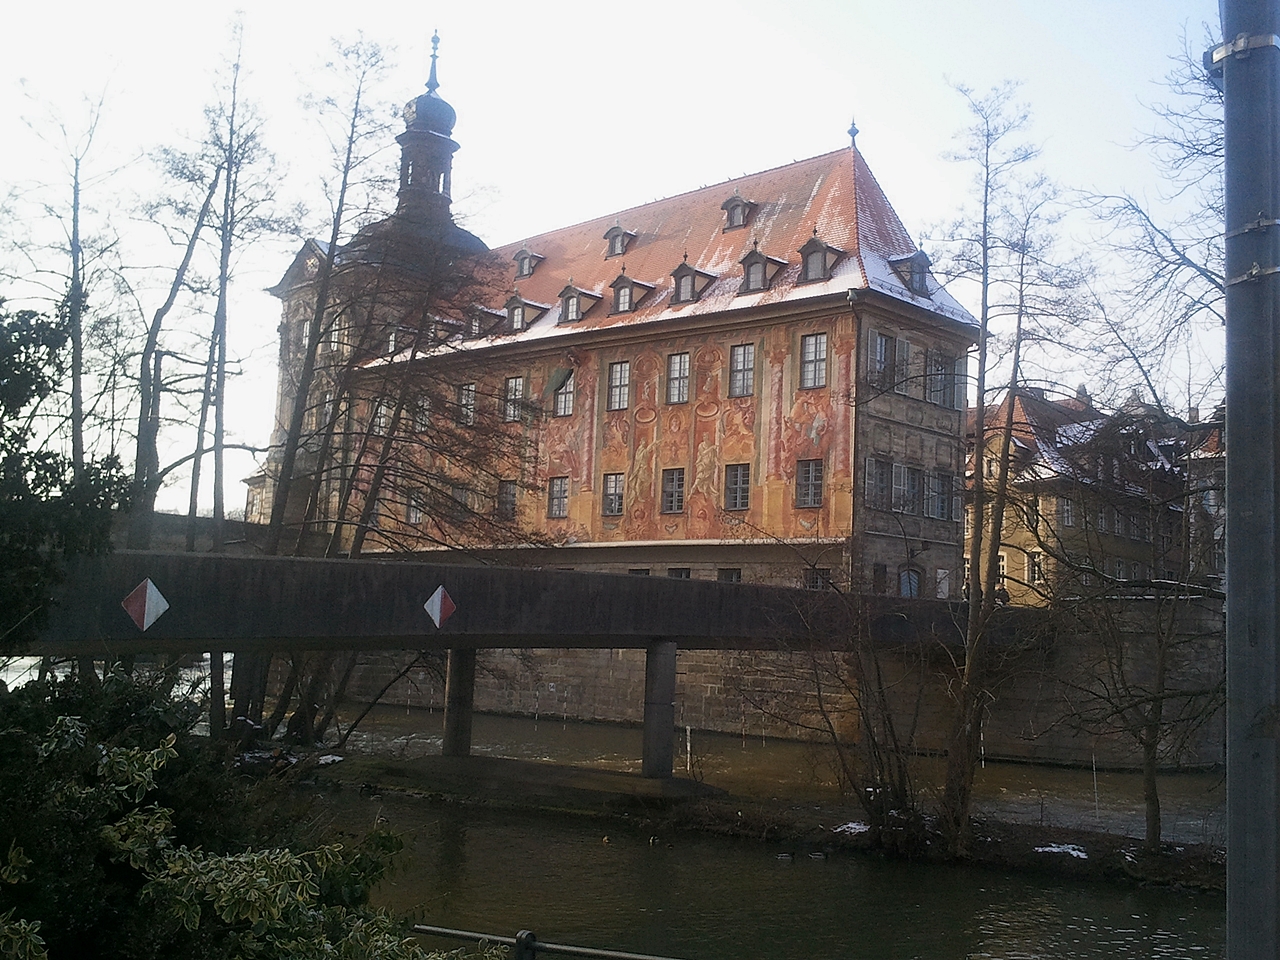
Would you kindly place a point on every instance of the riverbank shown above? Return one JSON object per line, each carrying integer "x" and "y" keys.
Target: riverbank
{"x": 661, "y": 811}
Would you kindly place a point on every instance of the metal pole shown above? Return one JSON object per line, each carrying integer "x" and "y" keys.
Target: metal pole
{"x": 1250, "y": 61}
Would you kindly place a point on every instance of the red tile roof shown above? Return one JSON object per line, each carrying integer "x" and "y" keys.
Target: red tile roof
{"x": 835, "y": 193}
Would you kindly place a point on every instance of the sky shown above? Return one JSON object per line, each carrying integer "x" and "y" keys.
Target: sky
{"x": 571, "y": 110}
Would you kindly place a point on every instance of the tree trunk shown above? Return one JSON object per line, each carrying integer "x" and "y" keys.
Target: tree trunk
{"x": 1150, "y": 791}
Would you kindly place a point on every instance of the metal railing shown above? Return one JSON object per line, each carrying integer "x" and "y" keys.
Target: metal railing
{"x": 526, "y": 946}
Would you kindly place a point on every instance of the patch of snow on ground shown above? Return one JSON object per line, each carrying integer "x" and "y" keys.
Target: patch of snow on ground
{"x": 853, "y": 828}
{"x": 329, "y": 758}
{"x": 1069, "y": 848}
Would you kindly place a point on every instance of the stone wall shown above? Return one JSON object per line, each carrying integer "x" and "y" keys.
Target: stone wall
{"x": 1039, "y": 689}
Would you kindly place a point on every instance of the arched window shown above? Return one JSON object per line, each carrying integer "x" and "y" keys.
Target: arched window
{"x": 908, "y": 582}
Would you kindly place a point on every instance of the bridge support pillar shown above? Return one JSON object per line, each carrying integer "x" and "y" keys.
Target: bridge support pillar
{"x": 659, "y": 709}
{"x": 459, "y": 698}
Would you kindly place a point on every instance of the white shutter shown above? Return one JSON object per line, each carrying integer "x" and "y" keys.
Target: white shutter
{"x": 873, "y": 357}
{"x": 957, "y": 506}
{"x": 899, "y": 486}
{"x": 869, "y": 482}
{"x": 902, "y": 366}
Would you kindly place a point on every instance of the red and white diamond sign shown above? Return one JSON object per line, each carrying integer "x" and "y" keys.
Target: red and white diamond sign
{"x": 145, "y": 604}
{"x": 440, "y": 606}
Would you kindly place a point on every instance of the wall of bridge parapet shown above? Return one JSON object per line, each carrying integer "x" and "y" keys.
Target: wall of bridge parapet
{"x": 272, "y": 603}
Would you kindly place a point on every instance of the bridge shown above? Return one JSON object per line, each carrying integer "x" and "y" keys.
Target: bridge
{"x": 270, "y": 604}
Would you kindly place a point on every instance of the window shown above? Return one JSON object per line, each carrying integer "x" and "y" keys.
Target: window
{"x": 622, "y": 298}
{"x": 880, "y": 365}
{"x": 1002, "y": 569}
{"x": 736, "y": 215}
{"x": 815, "y": 265}
{"x": 919, "y": 274}
{"x": 558, "y": 497}
{"x": 879, "y": 480}
{"x": 611, "y": 504}
{"x": 901, "y": 366}
{"x": 942, "y": 501}
{"x": 381, "y": 415}
{"x": 513, "y": 399}
{"x": 944, "y": 380}
{"x": 680, "y": 573}
{"x": 1104, "y": 518}
{"x": 673, "y": 490}
{"x": 413, "y": 512}
{"x": 506, "y": 503}
{"x": 678, "y": 378}
{"x": 942, "y": 584}
{"x": 908, "y": 489}
{"x": 639, "y": 571}
{"x": 619, "y": 385}
{"x": 879, "y": 579}
{"x": 1035, "y": 567}
{"x": 908, "y": 582}
{"x": 524, "y": 266}
{"x": 737, "y": 486}
{"x": 562, "y": 399}
{"x": 422, "y": 415}
{"x": 1122, "y": 570}
{"x": 1066, "y": 512}
{"x": 755, "y": 275}
{"x": 684, "y": 288}
{"x": 460, "y": 494}
{"x": 813, "y": 361}
{"x": 729, "y": 575}
{"x": 466, "y": 398}
{"x": 515, "y": 314}
{"x": 808, "y": 483}
{"x": 571, "y": 307}
{"x": 742, "y": 370}
{"x": 817, "y": 578}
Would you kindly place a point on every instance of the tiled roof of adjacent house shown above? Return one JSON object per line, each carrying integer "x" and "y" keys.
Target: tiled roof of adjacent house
{"x": 833, "y": 197}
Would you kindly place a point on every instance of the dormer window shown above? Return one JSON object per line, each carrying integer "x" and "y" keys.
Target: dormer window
{"x": 737, "y": 212}
{"x": 516, "y": 315}
{"x": 817, "y": 259}
{"x": 913, "y": 271}
{"x": 627, "y": 292}
{"x": 575, "y": 302}
{"x": 526, "y": 262}
{"x": 618, "y": 240}
{"x": 690, "y": 283}
{"x": 758, "y": 270}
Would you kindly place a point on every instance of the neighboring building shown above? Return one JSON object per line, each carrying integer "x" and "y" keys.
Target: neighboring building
{"x": 1099, "y": 501}
{"x": 758, "y": 380}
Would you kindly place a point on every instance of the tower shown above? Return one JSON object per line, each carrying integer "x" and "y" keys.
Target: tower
{"x": 426, "y": 152}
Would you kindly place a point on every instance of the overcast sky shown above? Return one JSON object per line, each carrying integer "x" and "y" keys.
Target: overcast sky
{"x": 570, "y": 110}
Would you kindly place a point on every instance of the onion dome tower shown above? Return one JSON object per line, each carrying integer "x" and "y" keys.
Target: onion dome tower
{"x": 426, "y": 167}
{"x": 426, "y": 151}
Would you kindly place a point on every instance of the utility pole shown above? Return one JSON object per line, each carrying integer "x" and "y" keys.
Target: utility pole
{"x": 1249, "y": 60}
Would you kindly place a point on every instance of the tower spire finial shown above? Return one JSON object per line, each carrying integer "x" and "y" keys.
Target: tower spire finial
{"x": 853, "y": 132}
{"x": 432, "y": 83}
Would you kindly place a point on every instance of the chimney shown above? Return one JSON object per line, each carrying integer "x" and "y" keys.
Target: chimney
{"x": 1193, "y": 415}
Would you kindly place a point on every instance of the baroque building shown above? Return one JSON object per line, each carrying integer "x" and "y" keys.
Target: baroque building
{"x": 757, "y": 380}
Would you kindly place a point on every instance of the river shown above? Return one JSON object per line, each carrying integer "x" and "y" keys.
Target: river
{"x": 707, "y": 898}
